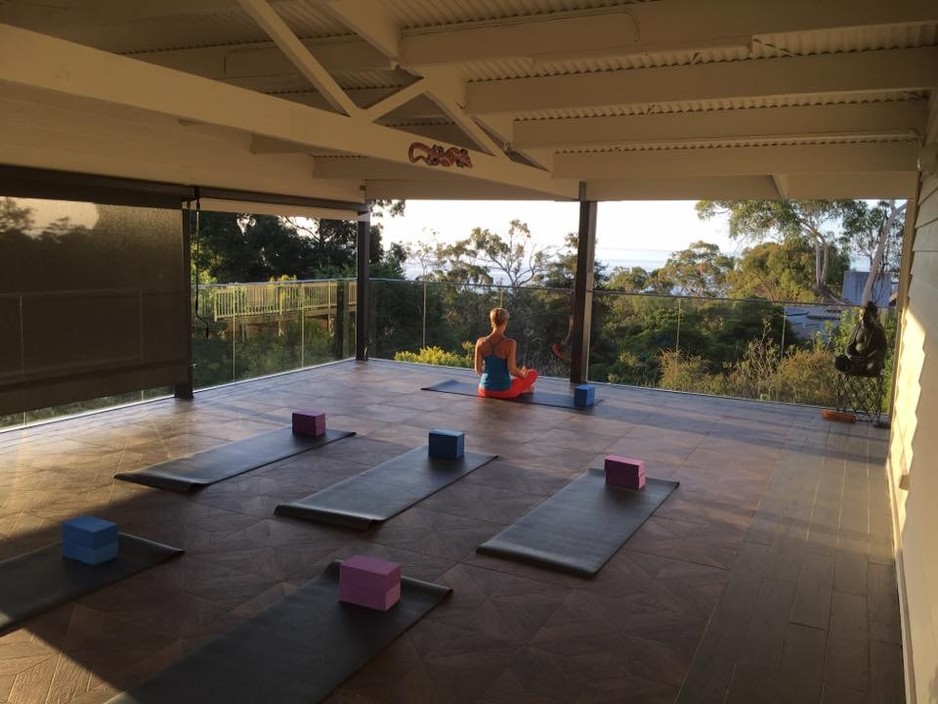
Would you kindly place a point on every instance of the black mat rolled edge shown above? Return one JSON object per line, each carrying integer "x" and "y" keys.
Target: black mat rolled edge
{"x": 135, "y": 555}
{"x": 263, "y": 659}
{"x": 536, "y": 560}
{"x": 314, "y": 515}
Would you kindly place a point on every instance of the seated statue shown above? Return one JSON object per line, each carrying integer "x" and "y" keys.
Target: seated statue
{"x": 865, "y": 354}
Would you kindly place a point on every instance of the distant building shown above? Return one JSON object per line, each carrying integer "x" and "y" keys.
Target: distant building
{"x": 855, "y": 282}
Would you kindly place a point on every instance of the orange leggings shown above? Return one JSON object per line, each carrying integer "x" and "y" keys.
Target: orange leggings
{"x": 518, "y": 386}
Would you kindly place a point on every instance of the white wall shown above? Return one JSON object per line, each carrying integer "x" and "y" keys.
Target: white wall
{"x": 913, "y": 457}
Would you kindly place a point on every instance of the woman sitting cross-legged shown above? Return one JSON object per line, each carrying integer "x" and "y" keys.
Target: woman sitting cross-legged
{"x": 495, "y": 361}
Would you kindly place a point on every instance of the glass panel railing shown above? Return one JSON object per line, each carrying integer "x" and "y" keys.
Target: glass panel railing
{"x": 741, "y": 348}
{"x": 243, "y": 331}
{"x": 438, "y": 323}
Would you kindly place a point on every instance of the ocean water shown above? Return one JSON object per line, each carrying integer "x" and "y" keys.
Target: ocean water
{"x": 648, "y": 259}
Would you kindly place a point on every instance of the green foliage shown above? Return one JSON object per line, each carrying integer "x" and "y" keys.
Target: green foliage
{"x": 228, "y": 248}
{"x": 824, "y": 224}
{"x": 440, "y": 357}
{"x": 699, "y": 270}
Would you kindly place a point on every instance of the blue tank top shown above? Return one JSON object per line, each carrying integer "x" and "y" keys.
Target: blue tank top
{"x": 495, "y": 376}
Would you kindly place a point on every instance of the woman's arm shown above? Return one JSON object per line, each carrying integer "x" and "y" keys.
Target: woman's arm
{"x": 513, "y": 368}
{"x": 478, "y": 360}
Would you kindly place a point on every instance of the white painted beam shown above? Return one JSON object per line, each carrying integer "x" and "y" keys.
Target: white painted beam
{"x": 259, "y": 59}
{"x": 267, "y": 18}
{"x": 739, "y": 161}
{"x": 646, "y": 28}
{"x": 682, "y": 188}
{"x": 395, "y": 100}
{"x": 843, "y": 120}
{"x": 420, "y": 108}
{"x": 371, "y": 22}
{"x": 871, "y": 185}
{"x": 31, "y": 59}
{"x": 520, "y": 37}
{"x": 46, "y": 132}
{"x": 448, "y": 91}
{"x": 888, "y": 70}
{"x": 77, "y": 13}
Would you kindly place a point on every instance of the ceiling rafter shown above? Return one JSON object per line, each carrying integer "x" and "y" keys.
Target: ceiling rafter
{"x": 886, "y": 70}
{"x": 645, "y": 28}
{"x": 739, "y": 161}
{"x": 888, "y": 119}
{"x": 36, "y": 60}
{"x": 268, "y": 19}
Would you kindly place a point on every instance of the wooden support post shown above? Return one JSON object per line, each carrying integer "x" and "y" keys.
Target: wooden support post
{"x": 184, "y": 389}
{"x": 363, "y": 305}
{"x": 583, "y": 293}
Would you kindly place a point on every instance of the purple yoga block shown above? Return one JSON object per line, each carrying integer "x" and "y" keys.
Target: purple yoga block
{"x": 625, "y": 472}
{"x": 370, "y": 581}
{"x": 309, "y": 423}
{"x": 89, "y": 532}
{"x": 370, "y": 598}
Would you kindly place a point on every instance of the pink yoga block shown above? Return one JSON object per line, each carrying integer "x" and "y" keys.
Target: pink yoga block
{"x": 309, "y": 423}
{"x": 370, "y": 598}
{"x": 625, "y": 471}
{"x": 362, "y": 570}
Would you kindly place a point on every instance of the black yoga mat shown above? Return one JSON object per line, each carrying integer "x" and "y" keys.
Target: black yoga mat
{"x": 538, "y": 398}
{"x": 226, "y": 461}
{"x": 581, "y": 526}
{"x": 41, "y": 579}
{"x": 297, "y": 651}
{"x": 383, "y": 491}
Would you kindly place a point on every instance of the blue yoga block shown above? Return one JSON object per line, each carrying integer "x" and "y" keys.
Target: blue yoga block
{"x": 584, "y": 395}
{"x": 447, "y": 443}
{"x": 90, "y": 556}
{"x": 89, "y": 532}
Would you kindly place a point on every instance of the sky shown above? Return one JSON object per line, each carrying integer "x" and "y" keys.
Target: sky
{"x": 628, "y": 233}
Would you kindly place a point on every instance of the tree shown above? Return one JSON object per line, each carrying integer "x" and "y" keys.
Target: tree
{"x": 232, "y": 247}
{"x": 876, "y": 233}
{"x": 780, "y": 271}
{"x": 820, "y": 222}
{"x": 515, "y": 258}
{"x": 699, "y": 270}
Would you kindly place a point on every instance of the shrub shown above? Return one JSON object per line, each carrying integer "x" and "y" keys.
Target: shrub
{"x": 439, "y": 357}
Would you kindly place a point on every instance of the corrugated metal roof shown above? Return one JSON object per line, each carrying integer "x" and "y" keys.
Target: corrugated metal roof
{"x": 846, "y": 39}
{"x": 725, "y": 143}
{"x": 727, "y": 104}
{"x": 433, "y": 13}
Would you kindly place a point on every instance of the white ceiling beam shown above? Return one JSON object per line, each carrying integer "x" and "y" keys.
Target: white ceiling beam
{"x": 842, "y": 120}
{"x": 888, "y": 70}
{"x": 520, "y": 37}
{"x": 362, "y": 168}
{"x": 781, "y": 185}
{"x": 682, "y": 188}
{"x": 260, "y": 59}
{"x": 395, "y": 100}
{"x": 873, "y": 185}
{"x": 739, "y": 161}
{"x": 448, "y": 91}
{"x": 371, "y": 22}
{"x": 268, "y": 20}
{"x": 32, "y": 59}
{"x": 445, "y": 189}
{"x": 420, "y": 108}
{"x": 74, "y": 13}
{"x": 113, "y": 141}
{"x": 645, "y": 28}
